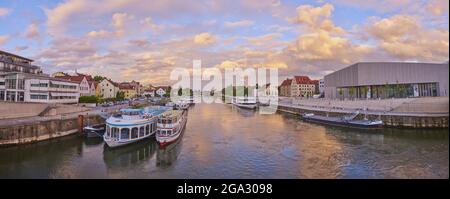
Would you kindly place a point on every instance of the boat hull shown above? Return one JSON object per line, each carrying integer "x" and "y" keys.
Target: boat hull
{"x": 163, "y": 141}
{"x": 246, "y": 106}
{"x": 341, "y": 123}
{"x": 113, "y": 143}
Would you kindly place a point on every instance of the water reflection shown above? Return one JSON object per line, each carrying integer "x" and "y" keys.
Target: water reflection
{"x": 129, "y": 155}
{"x": 38, "y": 160}
{"x": 167, "y": 155}
{"x": 222, "y": 141}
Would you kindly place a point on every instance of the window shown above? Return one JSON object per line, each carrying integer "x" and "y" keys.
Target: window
{"x": 108, "y": 131}
{"x": 115, "y": 132}
{"x": 147, "y": 129}
{"x": 134, "y": 133}
{"x": 141, "y": 131}
{"x": 125, "y": 133}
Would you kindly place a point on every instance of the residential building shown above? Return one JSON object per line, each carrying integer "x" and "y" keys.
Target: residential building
{"x": 149, "y": 92}
{"x": 303, "y": 86}
{"x": 14, "y": 63}
{"x": 129, "y": 90}
{"x": 86, "y": 82}
{"x": 387, "y": 80}
{"x": 285, "y": 88}
{"x": 162, "y": 90}
{"x": 20, "y": 81}
{"x": 108, "y": 88}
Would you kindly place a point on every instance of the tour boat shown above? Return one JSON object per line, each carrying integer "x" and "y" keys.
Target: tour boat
{"x": 170, "y": 126}
{"x": 245, "y": 102}
{"x": 346, "y": 121}
{"x": 132, "y": 125}
{"x": 94, "y": 131}
{"x": 182, "y": 105}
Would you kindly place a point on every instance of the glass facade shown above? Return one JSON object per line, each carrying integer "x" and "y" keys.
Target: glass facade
{"x": 390, "y": 91}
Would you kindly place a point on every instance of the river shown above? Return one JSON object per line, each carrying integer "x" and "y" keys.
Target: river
{"x": 222, "y": 141}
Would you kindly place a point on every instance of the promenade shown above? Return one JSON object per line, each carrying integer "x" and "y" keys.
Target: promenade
{"x": 421, "y": 107}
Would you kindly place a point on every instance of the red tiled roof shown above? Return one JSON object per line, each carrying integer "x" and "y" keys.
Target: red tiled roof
{"x": 286, "y": 82}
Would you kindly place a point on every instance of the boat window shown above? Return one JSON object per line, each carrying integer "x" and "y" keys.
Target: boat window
{"x": 108, "y": 131}
{"x": 147, "y": 129}
{"x": 134, "y": 132}
{"x": 125, "y": 133}
{"x": 169, "y": 132}
{"x": 141, "y": 131}
{"x": 115, "y": 132}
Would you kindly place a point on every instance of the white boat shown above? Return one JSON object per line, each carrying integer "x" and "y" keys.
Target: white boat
{"x": 245, "y": 102}
{"x": 170, "y": 126}
{"x": 132, "y": 125}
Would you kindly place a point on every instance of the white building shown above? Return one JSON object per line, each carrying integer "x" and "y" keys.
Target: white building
{"x": 20, "y": 81}
{"x": 108, "y": 88}
{"x": 24, "y": 87}
{"x": 303, "y": 86}
{"x": 85, "y": 82}
{"x": 162, "y": 90}
{"x": 321, "y": 86}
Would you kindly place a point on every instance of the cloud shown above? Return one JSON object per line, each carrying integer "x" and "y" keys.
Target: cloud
{"x": 149, "y": 22}
{"x": 119, "y": 20}
{"x": 438, "y": 7}
{"x": 239, "y": 23}
{"x": 99, "y": 34}
{"x": 3, "y": 39}
{"x": 323, "y": 46}
{"x": 32, "y": 31}
{"x": 204, "y": 39}
{"x": 317, "y": 18}
{"x": 4, "y": 12}
{"x": 21, "y": 48}
{"x": 264, "y": 39}
{"x": 404, "y": 37}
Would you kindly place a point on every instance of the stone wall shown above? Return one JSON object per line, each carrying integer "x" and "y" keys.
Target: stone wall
{"x": 17, "y": 110}
{"x": 389, "y": 120}
{"x": 43, "y": 130}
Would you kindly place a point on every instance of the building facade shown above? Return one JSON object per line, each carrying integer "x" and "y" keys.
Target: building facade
{"x": 303, "y": 86}
{"x": 321, "y": 86}
{"x": 108, "y": 88}
{"x": 86, "y": 83}
{"x": 20, "y": 81}
{"x": 285, "y": 88}
{"x": 129, "y": 90}
{"x": 388, "y": 80}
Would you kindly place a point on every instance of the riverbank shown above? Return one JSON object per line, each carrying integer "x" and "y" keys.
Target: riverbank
{"x": 408, "y": 113}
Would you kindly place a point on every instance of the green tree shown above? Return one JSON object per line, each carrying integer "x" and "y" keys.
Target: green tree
{"x": 341, "y": 92}
{"x": 120, "y": 96}
{"x": 351, "y": 91}
{"x": 88, "y": 99}
{"x": 364, "y": 90}
{"x": 99, "y": 78}
{"x": 180, "y": 91}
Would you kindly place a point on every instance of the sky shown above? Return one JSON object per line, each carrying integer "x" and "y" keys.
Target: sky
{"x": 145, "y": 40}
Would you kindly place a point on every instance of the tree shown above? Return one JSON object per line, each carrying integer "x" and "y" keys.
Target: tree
{"x": 120, "y": 95}
{"x": 88, "y": 99}
{"x": 99, "y": 78}
{"x": 364, "y": 91}
{"x": 341, "y": 92}
{"x": 180, "y": 91}
{"x": 351, "y": 91}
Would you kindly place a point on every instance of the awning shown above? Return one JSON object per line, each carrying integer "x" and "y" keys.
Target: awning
{"x": 55, "y": 94}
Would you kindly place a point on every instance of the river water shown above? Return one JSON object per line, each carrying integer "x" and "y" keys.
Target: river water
{"x": 222, "y": 141}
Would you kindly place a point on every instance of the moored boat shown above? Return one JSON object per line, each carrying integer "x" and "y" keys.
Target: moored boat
{"x": 94, "y": 131}
{"x": 245, "y": 102}
{"x": 170, "y": 126}
{"x": 345, "y": 121}
{"x": 132, "y": 125}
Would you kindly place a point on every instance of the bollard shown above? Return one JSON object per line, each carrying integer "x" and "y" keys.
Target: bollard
{"x": 80, "y": 123}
